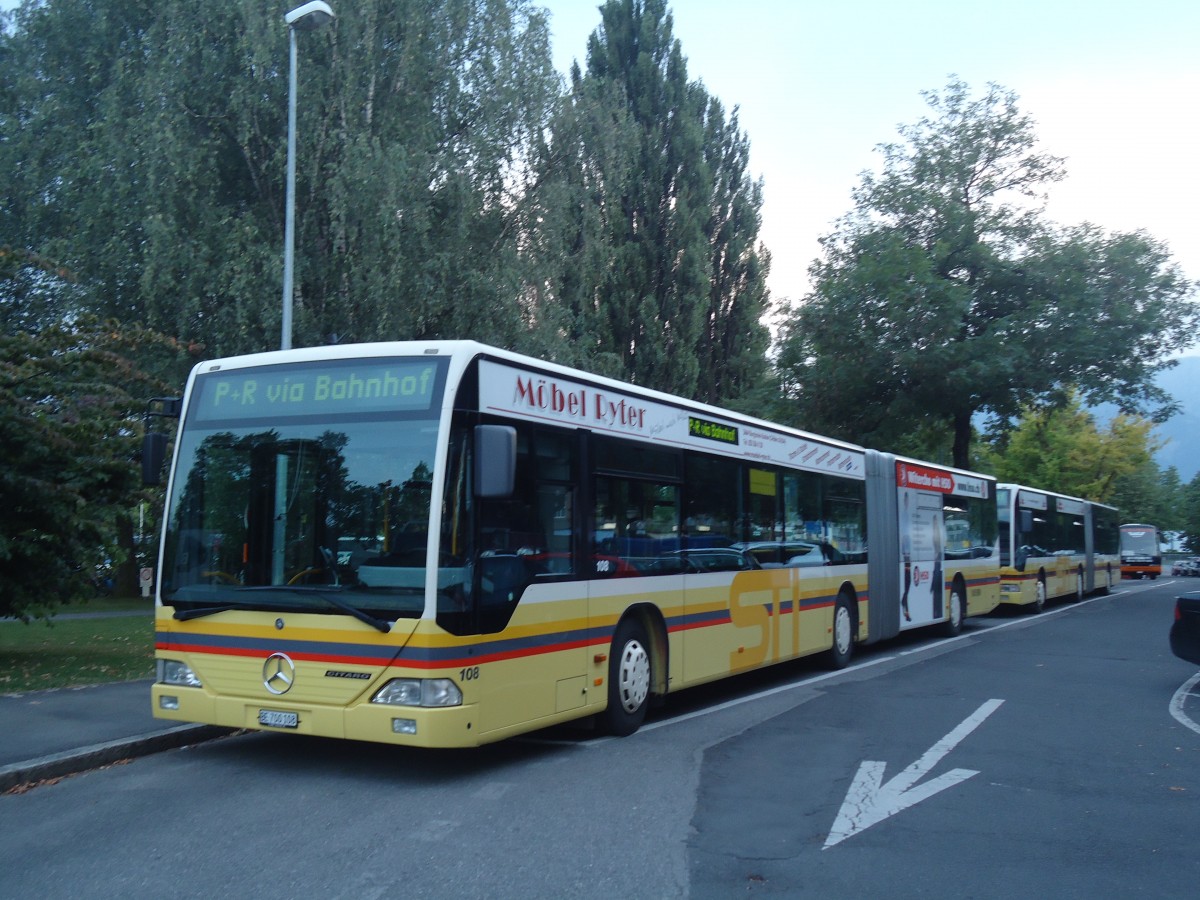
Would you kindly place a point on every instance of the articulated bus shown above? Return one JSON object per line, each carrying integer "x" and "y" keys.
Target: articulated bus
{"x": 443, "y": 544}
{"x": 1054, "y": 546}
{"x": 1141, "y": 551}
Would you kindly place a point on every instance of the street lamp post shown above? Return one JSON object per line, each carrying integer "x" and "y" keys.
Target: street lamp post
{"x": 302, "y": 18}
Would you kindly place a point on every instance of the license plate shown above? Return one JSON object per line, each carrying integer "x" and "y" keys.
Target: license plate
{"x": 276, "y": 719}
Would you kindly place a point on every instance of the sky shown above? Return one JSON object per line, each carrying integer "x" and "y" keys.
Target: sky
{"x": 1112, "y": 87}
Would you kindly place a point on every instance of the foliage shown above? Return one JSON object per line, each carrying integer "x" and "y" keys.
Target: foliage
{"x": 70, "y": 402}
{"x": 1191, "y": 515}
{"x": 71, "y": 164}
{"x": 445, "y": 186}
{"x": 943, "y": 294}
{"x": 660, "y": 279}
{"x": 149, "y": 155}
{"x": 435, "y": 109}
{"x": 1061, "y": 448}
{"x": 1151, "y": 495}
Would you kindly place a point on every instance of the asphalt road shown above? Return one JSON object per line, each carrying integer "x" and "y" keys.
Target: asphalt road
{"x": 1051, "y": 756}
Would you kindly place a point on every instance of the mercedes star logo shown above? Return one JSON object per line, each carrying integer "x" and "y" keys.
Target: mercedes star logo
{"x": 278, "y": 673}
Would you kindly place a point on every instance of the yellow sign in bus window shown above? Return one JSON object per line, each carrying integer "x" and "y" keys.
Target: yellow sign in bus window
{"x": 762, "y": 481}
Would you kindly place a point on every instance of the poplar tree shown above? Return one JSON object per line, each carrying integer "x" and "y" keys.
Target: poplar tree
{"x": 662, "y": 281}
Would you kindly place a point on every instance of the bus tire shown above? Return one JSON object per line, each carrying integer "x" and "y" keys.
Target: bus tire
{"x": 841, "y": 651}
{"x": 952, "y": 627}
{"x": 628, "y": 679}
{"x": 1039, "y": 604}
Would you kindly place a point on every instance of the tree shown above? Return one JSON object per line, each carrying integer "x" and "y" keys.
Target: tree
{"x": 1151, "y": 495}
{"x": 438, "y": 193}
{"x": 1060, "y": 448}
{"x": 732, "y": 346}
{"x": 1191, "y": 515}
{"x": 661, "y": 280}
{"x": 148, "y": 156}
{"x": 70, "y": 164}
{"x": 1169, "y": 511}
{"x": 943, "y": 294}
{"x": 70, "y": 402}
{"x": 436, "y": 110}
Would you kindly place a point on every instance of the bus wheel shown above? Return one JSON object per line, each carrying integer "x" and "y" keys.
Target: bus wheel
{"x": 628, "y": 679}
{"x": 1040, "y": 603}
{"x": 838, "y": 655}
{"x": 958, "y": 609}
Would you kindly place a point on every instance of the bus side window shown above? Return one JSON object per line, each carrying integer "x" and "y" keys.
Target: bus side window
{"x": 636, "y": 530}
{"x": 555, "y": 471}
{"x": 530, "y": 535}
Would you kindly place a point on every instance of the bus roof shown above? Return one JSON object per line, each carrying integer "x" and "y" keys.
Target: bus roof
{"x": 464, "y": 352}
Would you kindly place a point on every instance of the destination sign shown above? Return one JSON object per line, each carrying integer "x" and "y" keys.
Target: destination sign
{"x": 713, "y": 431}
{"x": 331, "y": 388}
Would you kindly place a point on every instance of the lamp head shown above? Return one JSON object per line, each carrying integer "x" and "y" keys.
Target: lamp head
{"x": 310, "y": 16}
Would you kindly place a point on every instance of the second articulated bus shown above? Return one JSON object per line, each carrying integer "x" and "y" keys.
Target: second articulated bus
{"x": 1054, "y": 546}
{"x": 445, "y": 544}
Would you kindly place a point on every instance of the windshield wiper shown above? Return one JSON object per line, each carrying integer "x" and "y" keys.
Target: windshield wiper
{"x": 331, "y": 599}
{"x": 341, "y": 604}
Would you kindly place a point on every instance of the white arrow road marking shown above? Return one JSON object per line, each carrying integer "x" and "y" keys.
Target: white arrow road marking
{"x": 869, "y": 800}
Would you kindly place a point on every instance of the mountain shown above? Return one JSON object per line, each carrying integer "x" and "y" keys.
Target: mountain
{"x": 1181, "y": 432}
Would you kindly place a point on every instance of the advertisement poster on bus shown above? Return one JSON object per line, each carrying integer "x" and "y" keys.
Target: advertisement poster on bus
{"x": 919, "y": 496}
{"x": 548, "y": 397}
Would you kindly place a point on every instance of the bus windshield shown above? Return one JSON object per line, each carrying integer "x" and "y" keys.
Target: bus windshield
{"x": 1139, "y": 540}
{"x": 305, "y": 487}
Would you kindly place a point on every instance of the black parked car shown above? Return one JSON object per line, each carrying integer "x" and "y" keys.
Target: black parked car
{"x": 1185, "y": 630}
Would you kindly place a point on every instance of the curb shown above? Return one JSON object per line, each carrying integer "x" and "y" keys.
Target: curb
{"x": 71, "y": 762}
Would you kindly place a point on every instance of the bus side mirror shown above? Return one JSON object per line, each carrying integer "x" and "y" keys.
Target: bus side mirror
{"x": 154, "y": 454}
{"x": 495, "y": 460}
{"x": 154, "y": 445}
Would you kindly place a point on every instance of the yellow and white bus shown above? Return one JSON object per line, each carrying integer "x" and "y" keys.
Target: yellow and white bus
{"x": 445, "y": 544}
{"x": 1052, "y": 546}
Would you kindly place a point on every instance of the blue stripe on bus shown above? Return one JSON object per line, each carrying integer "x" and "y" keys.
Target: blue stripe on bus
{"x": 432, "y": 657}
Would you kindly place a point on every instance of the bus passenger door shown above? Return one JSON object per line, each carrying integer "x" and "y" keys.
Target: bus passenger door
{"x": 527, "y": 601}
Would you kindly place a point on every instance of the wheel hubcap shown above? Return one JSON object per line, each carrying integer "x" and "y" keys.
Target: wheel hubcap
{"x": 841, "y": 629}
{"x": 633, "y": 676}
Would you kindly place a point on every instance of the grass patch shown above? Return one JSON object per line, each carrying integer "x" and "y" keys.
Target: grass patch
{"x": 70, "y": 652}
{"x": 108, "y": 604}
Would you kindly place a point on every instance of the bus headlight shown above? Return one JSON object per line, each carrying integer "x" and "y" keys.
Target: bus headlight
{"x": 419, "y": 692}
{"x": 172, "y": 671}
